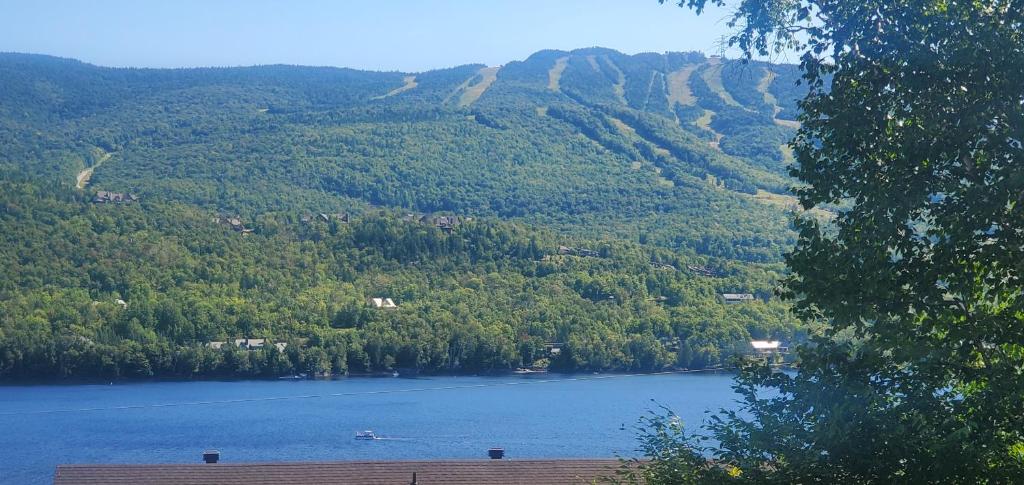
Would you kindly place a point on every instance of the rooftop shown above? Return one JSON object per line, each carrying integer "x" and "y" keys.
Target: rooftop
{"x": 344, "y": 472}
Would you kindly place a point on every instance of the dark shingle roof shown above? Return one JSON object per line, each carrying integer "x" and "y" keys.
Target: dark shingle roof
{"x": 508, "y": 472}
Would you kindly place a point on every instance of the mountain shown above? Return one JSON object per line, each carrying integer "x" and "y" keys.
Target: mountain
{"x": 671, "y": 149}
{"x": 587, "y": 201}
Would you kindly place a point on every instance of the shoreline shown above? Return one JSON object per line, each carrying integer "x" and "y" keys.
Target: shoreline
{"x": 361, "y": 375}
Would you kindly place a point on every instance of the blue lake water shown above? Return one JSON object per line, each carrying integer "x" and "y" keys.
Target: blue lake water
{"x": 424, "y": 418}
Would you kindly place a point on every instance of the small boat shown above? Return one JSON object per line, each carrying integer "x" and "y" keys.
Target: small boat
{"x": 366, "y": 435}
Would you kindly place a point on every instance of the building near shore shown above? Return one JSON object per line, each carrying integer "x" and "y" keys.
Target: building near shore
{"x": 451, "y": 472}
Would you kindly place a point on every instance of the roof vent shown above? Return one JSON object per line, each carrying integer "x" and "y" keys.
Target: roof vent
{"x": 211, "y": 456}
{"x": 496, "y": 453}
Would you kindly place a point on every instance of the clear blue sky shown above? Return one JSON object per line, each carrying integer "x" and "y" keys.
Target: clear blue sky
{"x": 400, "y": 35}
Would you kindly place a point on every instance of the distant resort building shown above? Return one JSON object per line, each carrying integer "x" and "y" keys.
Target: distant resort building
{"x": 582, "y": 252}
{"x": 234, "y": 222}
{"x": 768, "y": 347}
{"x": 383, "y": 303}
{"x": 325, "y": 217}
{"x": 734, "y": 298}
{"x": 703, "y": 270}
{"x": 104, "y": 197}
{"x": 447, "y": 224}
{"x": 248, "y": 344}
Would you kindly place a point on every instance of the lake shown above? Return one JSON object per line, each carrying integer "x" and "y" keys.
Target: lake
{"x": 314, "y": 420}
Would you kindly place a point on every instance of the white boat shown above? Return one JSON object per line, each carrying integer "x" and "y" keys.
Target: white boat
{"x": 366, "y": 435}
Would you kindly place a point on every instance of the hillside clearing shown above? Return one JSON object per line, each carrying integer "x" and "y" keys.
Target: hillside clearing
{"x": 712, "y": 75}
{"x": 762, "y": 87}
{"x": 555, "y": 74}
{"x": 787, "y": 123}
{"x": 410, "y": 82}
{"x": 83, "y": 177}
{"x": 650, "y": 87}
{"x": 620, "y": 83}
{"x": 622, "y": 126}
{"x": 705, "y": 122}
{"x": 472, "y": 93}
{"x": 789, "y": 202}
{"x": 679, "y": 87}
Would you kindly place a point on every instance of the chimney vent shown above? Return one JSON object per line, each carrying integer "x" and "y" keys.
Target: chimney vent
{"x": 211, "y": 456}
{"x": 496, "y": 453}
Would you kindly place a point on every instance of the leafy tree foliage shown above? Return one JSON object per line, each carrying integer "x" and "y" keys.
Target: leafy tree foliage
{"x": 917, "y": 376}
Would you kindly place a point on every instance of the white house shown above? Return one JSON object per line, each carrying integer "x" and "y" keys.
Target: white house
{"x": 767, "y": 346}
{"x": 383, "y": 303}
{"x": 250, "y": 343}
{"x": 734, "y": 298}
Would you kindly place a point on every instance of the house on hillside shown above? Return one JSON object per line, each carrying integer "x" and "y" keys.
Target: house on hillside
{"x": 444, "y": 223}
{"x": 250, "y": 343}
{"x": 734, "y": 298}
{"x": 447, "y": 223}
{"x": 582, "y": 252}
{"x": 703, "y": 270}
{"x": 382, "y": 303}
{"x": 103, "y": 197}
{"x": 247, "y": 344}
{"x": 235, "y": 223}
{"x": 768, "y": 347}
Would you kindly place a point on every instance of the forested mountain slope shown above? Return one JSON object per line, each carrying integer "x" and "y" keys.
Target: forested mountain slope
{"x": 668, "y": 148}
{"x": 667, "y": 169}
{"x": 142, "y": 289}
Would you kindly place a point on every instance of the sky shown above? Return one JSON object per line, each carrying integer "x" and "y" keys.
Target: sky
{"x": 388, "y": 35}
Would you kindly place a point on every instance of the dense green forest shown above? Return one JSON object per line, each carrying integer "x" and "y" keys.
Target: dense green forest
{"x": 141, "y": 289}
{"x": 670, "y": 167}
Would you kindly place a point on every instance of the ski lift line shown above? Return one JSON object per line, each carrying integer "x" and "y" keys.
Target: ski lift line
{"x": 341, "y": 394}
